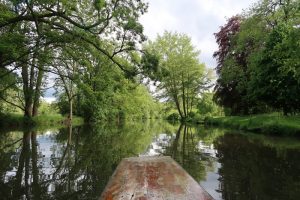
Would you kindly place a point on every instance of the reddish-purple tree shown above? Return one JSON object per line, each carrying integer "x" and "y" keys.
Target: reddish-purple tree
{"x": 227, "y": 93}
{"x": 223, "y": 39}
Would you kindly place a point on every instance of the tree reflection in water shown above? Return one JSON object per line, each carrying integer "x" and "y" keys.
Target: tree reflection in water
{"x": 27, "y": 179}
{"x": 231, "y": 165}
{"x": 76, "y": 163}
{"x": 253, "y": 170}
{"x": 188, "y": 146}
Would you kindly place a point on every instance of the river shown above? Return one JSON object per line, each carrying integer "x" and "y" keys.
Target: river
{"x": 76, "y": 163}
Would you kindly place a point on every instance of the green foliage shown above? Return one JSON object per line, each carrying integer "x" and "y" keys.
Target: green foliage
{"x": 259, "y": 71}
{"x": 8, "y": 87}
{"x": 17, "y": 121}
{"x": 48, "y": 108}
{"x": 172, "y": 60}
{"x": 41, "y": 36}
{"x": 267, "y": 123}
{"x": 10, "y": 47}
{"x": 62, "y": 104}
{"x": 173, "y": 117}
{"x": 55, "y": 120}
{"x": 11, "y": 120}
{"x": 99, "y": 4}
{"x": 279, "y": 75}
{"x": 106, "y": 94}
{"x": 207, "y": 107}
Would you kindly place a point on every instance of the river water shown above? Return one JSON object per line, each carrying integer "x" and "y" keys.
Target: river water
{"x": 76, "y": 163}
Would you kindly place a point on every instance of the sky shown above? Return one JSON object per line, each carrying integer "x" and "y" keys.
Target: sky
{"x": 199, "y": 19}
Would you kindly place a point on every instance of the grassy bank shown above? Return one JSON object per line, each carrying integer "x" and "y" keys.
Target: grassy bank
{"x": 18, "y": 121}
{"x": 267, "y": 123}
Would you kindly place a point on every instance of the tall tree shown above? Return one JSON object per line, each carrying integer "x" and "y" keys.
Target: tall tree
{"x": 276, "y": 74}
{"x": 67, "y": 70}
{"x": 230, "y": 68}
{"x": 253, "y": 50}
{"x": 180, "y": 75}
{"x": 275, "y": 68}
{"x": 111, "y": 27}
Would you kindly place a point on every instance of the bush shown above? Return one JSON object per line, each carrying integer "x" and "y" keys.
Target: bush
{"x": 197, "y": 118}
{"x": 264, "y": 123}
{"x": 173, "y": 117}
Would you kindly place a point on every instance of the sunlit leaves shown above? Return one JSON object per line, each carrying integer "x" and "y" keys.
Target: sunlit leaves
{"x": 99, "y": 4}
{"x": 173, "y": 61}
{"x": 101, "y": 28}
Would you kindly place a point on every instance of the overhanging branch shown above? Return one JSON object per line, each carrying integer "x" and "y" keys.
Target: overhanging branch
{"x": 11, "y": 103}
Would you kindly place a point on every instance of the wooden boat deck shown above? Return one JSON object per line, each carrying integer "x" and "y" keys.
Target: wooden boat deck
{"x": 152, "y": 178}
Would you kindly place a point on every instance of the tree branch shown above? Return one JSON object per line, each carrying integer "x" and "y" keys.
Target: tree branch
{"x": 26, "y": 18}
{"x": 11, "y": 103}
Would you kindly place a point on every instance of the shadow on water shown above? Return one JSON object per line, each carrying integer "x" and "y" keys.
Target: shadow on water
{"x": 253, "y": 170}
{"x": 76, "y": 163}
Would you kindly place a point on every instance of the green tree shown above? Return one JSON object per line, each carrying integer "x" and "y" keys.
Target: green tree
{"x": 275, "y": 66}
{"x": 207, "y": 107}
{"x": 276, "y": 76}
{"x": 257, "y": 59}
{"x": 173, "y": 62}
{"x": 106, "y": 94}
{"x": 8, "y": 85}
{"x": 232, "y": 68}
{"x": 40, "y": 27}
{"x": 67, "y": 67}
{"x": 98, "y": 89}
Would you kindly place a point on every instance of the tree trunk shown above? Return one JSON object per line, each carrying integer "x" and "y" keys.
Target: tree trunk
{"x": 178, "y": 106}
{"x": 175, "y": 143}
{"x": 17, "y": 186}
{"x": 28, "y": 109}
{"x": 37, "y": 93}
{"x": 27, "y": 91}
{"x": 71, "y": 110}
{"x": 183, "y": 97}
{"x": 184, "y": 144}
{"x": 70, "y": 133}
{"x": 27, "y": 165}
{"x": 36, "y": 189}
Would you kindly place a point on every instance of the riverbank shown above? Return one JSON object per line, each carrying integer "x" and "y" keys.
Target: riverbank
{"x": 266, "y": 123}
{"x": 16, "y": 121}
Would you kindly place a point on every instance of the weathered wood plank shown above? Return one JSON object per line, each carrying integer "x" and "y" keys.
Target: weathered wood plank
{"x": 149, "y": 178}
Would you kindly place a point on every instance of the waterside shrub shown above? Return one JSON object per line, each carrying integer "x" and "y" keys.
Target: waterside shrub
{"x": 266, "y": 123}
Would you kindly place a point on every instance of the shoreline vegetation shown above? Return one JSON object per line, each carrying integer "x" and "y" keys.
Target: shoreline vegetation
{"x": 16, "y": 121}
{"x": 47, "y": 52}
{"x": 268, "y": 124}
{"x": 272, "y": 124}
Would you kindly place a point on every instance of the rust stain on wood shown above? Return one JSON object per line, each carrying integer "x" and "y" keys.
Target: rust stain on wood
{"x": 152, "y": 178}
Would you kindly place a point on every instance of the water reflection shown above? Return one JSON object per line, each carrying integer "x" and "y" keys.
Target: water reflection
{"x": 76, "y": 163}
{"x": 68, "y": 163}
{"x": 232, "y": 165}
{"x": 193, "y": 149}
{"x": 187, "y": 149}
{"x": 252, "y": 170}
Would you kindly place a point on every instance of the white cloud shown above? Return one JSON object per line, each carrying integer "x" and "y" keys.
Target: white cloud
{"x": 199, "y": 19}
